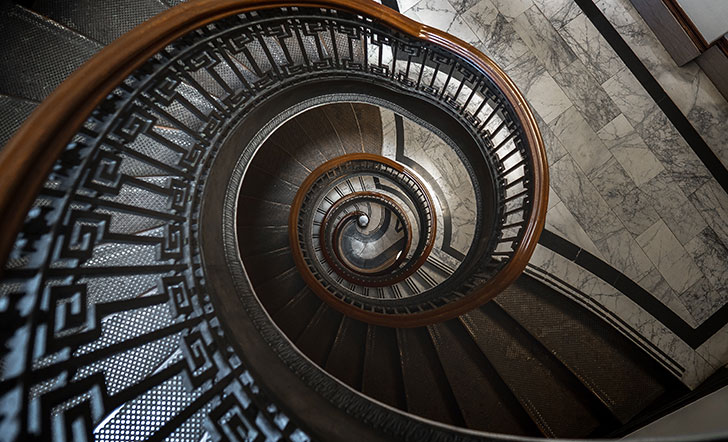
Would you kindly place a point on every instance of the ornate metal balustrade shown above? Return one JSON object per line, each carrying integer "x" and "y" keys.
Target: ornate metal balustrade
{"x": 105, "y": 185}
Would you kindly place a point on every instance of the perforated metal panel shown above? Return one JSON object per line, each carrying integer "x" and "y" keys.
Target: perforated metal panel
{"x": 103, "y": 21}
{"x": 38, "y": 54}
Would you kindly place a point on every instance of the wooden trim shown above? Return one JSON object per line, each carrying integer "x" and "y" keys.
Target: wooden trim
{"x": 28, "y": 158}
{"x": 687, "y": 24}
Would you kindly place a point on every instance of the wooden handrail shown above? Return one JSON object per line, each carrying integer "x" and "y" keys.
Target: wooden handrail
{"x": 28, "y": 158}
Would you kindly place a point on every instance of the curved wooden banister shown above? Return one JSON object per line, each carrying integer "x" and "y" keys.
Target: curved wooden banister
{"x": 28, "y": 158}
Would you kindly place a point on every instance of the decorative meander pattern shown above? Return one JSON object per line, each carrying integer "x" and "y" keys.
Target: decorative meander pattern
{"x": 114, "y": 232}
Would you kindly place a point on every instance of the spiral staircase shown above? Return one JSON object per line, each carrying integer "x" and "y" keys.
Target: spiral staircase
{"x": 258, "y": 220}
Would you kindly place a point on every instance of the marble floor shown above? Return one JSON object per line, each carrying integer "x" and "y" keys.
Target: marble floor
{"x": 625, "y": 185}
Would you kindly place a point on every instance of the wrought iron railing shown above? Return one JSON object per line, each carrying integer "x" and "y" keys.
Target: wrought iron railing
{"x": 104, "y": 187}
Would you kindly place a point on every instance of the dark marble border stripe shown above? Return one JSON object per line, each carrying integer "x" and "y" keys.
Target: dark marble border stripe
{"x": 665, "y": 103}
{"x": 694, "y": 337}
{"x": 615, "y": 321}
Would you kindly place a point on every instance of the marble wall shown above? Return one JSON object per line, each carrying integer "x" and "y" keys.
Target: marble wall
{"x": 625, "y": 185}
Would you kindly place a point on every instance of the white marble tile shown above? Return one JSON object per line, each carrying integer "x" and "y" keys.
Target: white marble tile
{"x": 630, "y": 150}
{"x": 560, "y": 221}
{"x": 673, "y": 152}
{"x": 442, "y": 162}
{"x": 715, "y": 349}
{"x": 636, "y": 33}
{"x": 591, "y": 48}
{"x": 539, "y": 88}
{"x": 553, "y": 198}
{"x": 499, "y": 40}
{"x": 512, "y": 8}
{"x": 656, "y": 285}
{"x": 554, "y": 149}
{"x": 588, "y": 97}
{"x": 709, "y": 115}
{"x": 669, "y": 256}
{"x": 631, "y": 205}
{"x": 702, "y": 300}
{"x": 681, "y": 84}
{"x": 580, "y": 140}
{"x": 389, "y": 134}
{"x": 583, "y": 200}
{"x": 543, "y": 40}
{"x": 441, "y": 14}
{"x": 461, "y": 6}
{"x": 624, "y": 254}
{"x": 674, "y": 207}
{"x": 558, "y": 12}
{"x": 711, "y": 256}
{"x": 406, "y": 5}
{"x": 712, "y": 202}
{"x": 629, "y": 96}
{"x": 636, "y": 212}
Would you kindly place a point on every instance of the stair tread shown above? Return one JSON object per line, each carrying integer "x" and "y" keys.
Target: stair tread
{"x": 485, "y": 402}
{"x": 255, "y": 241}
{"x": 276, "y": 162}
{"x": 101, "y": 21}
{"x": 343, "y": 119}
{"x": 297, "y": 313}
{"x": 428, "y": 393}
{"x": 552, "y": 396}
{"x": 370, "y": 122}
{"x": 318, "y": 336}
{"x": 346, "y": 360}
{"x": 612, "y": 368}
{"x": 253, "y": 211}
{"x": 13, "y": 111}
{"x": 38, "y": 53}
{"x": 289, "y": 138}
{"x": 267, "y": 266}
{"x": 276, "y": 292}
{"x": 316, "y": 127}
{"x": 382, "y": 376}
{"x": 263, "y": 186}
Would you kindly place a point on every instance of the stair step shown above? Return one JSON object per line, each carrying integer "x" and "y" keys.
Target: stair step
{"x": 267, "y": 266}
{"x": 426, "y": 389}
{"x": 318, "y": 337}
{"x": 297, "y": 313}
{"x": 294, "y": 142}
{"x": 484, "y": 401}
{"x": 346, "y": 360}
{"x": 276, "y": 292}
{"x": 606, "y": 362}
{"x": 255, "y": 241}
{"x": 262, "y": 213}
{"x": 279, "y": 164}
{"x": 38, "y": 53}
{"x": 382, "y": 377}
{"x": 558, "y": 404}
{"x": 370, "y": 122}
{"x": 101, "y": 21}
{"x": 263, "y": 186}
{"x": 344, "y": 120}
{"x": 318, "y": 131}
{"x": 13, "y": 111}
